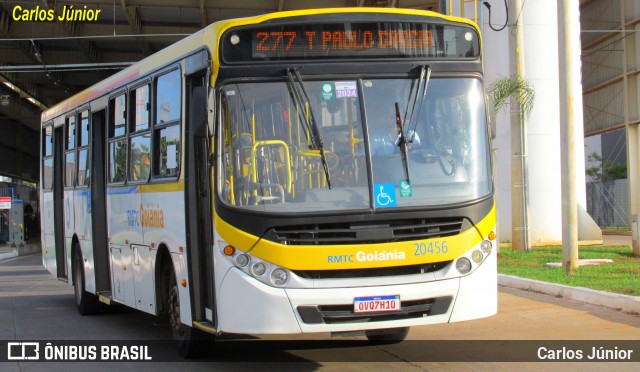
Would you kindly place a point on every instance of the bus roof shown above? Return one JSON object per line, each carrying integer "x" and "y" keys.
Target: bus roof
{"x": 210, "y": 36}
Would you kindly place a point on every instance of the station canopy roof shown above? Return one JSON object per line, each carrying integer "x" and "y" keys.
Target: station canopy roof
{"x": 42, "y": 62}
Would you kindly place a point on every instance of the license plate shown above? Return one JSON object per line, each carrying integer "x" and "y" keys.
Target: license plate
{"x": 376, "y": 304}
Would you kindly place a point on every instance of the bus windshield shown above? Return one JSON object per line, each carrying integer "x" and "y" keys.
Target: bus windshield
{"x": 269, "y": 161}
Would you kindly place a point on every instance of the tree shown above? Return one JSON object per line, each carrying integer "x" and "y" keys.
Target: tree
{"x": 519, "y": 92}
{"x": 605, "y": 170}
{"x": 515, "y": 87}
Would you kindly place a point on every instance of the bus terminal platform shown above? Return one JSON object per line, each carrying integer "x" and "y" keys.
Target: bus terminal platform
{"x": 8, "y": 251}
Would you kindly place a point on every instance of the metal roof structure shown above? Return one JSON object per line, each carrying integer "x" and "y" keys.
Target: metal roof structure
{"x": 51, "y": 50}
{"x": 46, "y": 61}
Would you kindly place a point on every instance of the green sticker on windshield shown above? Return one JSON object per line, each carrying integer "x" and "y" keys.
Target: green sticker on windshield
{"x": 405, "y": 189}
{"x": 328, "y": 91}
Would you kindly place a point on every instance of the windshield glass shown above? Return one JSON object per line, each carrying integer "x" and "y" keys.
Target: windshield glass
{"x": 447, "y": 146}
{"x": 268, "y": 160}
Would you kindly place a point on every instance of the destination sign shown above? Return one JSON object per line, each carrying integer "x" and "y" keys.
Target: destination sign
{"x": 351, "y": 40}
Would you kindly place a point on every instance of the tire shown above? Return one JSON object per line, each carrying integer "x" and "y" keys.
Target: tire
{"x": 387, "y": 336}
{"x": 191, "y": 342}
{"x": 86, "y": 303}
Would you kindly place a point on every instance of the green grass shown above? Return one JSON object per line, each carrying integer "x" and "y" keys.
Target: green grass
{"x": 622, "y": 276}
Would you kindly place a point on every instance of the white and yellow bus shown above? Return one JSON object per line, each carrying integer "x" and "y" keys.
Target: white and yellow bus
{"x": 320, "y": 170}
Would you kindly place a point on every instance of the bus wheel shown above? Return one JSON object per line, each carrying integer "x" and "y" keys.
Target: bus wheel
{"x": 387, "y": 336}
{"x": 190, "y": 341}
{"x": 87, "y": 303}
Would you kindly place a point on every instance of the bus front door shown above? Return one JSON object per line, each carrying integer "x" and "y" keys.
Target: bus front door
{"x": 198, "y": 199}
{"x": 99, "y": 203}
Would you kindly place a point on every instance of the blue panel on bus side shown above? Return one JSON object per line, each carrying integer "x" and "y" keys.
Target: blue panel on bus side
{"x": 119, "y": 190}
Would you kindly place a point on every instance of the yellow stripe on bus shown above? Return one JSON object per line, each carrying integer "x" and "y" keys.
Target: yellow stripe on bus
{"x": 358, "y": 256}
{"x": 162, "y": 187}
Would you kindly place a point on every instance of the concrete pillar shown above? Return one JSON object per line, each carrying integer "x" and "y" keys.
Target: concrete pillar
{"x": 630, "y": 60}
{"x": 540, "y": 34}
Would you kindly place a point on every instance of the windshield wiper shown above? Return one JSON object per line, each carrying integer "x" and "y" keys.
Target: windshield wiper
{"x": 301, "y": 97}
{"x": 402, "y": 142}
{"x": 407, "y": 136}
{"x": 420, "y": 95}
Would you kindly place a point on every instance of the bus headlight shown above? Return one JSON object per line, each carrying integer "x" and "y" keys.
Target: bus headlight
{"x": 463, "y": 265}
{"x": 485, "y": 246}
{"x": 258, "y": 269}
{"x": 279, "y": 277}
{"x": 263, "y": 271}
{"x": 477, "y": 256}
{"x": 242, "y": 260}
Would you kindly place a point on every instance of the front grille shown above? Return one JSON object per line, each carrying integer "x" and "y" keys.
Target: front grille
{"x": 340, "y": 314}
{"x": 372, "y": 272}
{"x": 370, "y": 232}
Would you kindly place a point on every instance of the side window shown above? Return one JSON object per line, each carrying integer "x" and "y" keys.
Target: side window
{"x": 71, "y": 133}
{"x": 141, "y": 109}
{"x": 118, "y": 115}
{"x": 117, "y": 160}
{"x": 167, "y": 148}
{"x": 84, "y": 129}
{"x": 70, "y": 169}
{"x": 166, "y": 129}
{"x": 47, "y": 141}
{"x": 140, "y": 136}
{"x": 139, "y": 159}
{"x": 70, "y": 154}
{"x": 168, "y": 89}
{"x": 117, "y": 140}
{"x": 84, "y": 168}
{"x": 47, "y": 158}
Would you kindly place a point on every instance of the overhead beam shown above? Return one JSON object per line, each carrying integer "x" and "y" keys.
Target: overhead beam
{"x": 135, "y": 23}
{"x": 610, "y": 34}
{"x": 29, "y": 49}
{"x": 5, "y": 21}
{"x": 71, "y": 29}
{"x": 203, "y": 14}
{"x": 19, "y": 109}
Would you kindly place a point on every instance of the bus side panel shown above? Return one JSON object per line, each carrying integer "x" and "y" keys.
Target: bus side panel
{"x": 123, "y": 209}
{"x": 478, "y": 295}
{"x": 162, "y": 217}
{"x": 143, "y": 280}
{"x": 122, "y": 280}
{"x": 180, "y": 266}
{"x": 47, "y": 237}
{"x": 82, "y": 223}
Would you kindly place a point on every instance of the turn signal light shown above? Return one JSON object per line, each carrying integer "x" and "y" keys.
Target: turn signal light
{"x": 228, "y": 250}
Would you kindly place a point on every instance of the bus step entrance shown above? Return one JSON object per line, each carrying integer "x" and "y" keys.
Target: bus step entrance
{"x": 105, "y": 297}
{"x": 205, "y": 326}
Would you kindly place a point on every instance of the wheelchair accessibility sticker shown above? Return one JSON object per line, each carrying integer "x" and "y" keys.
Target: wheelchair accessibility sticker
{"x": 385, "y": 195}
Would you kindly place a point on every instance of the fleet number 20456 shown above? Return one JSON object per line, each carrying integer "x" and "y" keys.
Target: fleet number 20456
{"x": 431, "y": 248}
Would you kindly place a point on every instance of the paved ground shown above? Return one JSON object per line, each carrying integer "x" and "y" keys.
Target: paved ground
{"x": 35, "y": 306}
{"x": 623, "y": 238}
